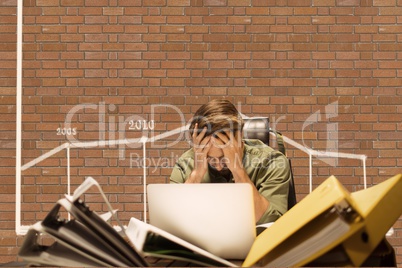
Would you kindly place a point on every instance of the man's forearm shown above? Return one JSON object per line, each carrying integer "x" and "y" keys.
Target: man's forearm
{"x": 194, "y": 178}
{"x": 261, "y": 204}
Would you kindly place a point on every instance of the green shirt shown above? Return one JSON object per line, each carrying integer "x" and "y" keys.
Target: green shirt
{"x": 267, "y": 168}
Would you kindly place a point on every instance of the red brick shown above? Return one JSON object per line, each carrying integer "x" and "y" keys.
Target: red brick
{"x": 284, "y": 59}
{"x": 390, "y": 29}
{"x": 383, "y": 3}
{"x": 390, "y": 11}
{"x": 47, "y": 3}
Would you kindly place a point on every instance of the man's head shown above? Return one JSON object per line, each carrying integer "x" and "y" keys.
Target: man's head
{"x": 216, "y": 116}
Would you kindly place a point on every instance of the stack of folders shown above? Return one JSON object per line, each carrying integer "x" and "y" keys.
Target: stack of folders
{"x": 89, "y": 240}
{"x": 330, "y": 227}
{"x": 86, "y": 240}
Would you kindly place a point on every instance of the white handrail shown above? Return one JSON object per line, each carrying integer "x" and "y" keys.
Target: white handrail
{"x": 45, "y": 156}
{"x": 144, "y": 140}
{"x": 316, "y": 153}
{"x": 18, "y": 120}
{"x": 68, "y": 175}
{"x": 144, "y": 168}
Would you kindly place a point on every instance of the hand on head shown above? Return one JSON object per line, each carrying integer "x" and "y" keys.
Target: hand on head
{"x": 232, "y": 148}
{"x": 222, "y": 150}
{"x": 201, "y": 147}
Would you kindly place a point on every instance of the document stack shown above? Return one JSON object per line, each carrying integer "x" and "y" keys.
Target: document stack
{"x": 89, "y": 240}
{"x": 330, "y": 227}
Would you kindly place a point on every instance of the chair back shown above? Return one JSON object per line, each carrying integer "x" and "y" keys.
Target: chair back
{"x": 258, "y": 128}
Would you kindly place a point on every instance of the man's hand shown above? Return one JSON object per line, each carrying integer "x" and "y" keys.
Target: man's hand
{"x": 232, "y": 148}
{"x": 201, "y": 146}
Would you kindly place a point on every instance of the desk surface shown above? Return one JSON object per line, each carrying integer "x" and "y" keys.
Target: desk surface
{"x": 157, "y": 262}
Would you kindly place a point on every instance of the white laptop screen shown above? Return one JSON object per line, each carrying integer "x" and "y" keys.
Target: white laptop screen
{"x": 216, "y": 217}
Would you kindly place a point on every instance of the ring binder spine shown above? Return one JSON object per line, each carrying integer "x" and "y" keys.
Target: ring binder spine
{"x": 346, "y": 212}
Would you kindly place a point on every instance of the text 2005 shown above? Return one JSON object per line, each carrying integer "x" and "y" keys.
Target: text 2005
{"x": 62, "y": 131}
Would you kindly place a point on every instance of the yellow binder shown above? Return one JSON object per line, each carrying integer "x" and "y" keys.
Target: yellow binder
{"x": 380, "y": 206}
{"x": 329, "y": 217}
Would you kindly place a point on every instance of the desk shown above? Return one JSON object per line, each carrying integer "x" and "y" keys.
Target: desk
{"x": 155, "y": 262}
{"x": 382, "y": 256}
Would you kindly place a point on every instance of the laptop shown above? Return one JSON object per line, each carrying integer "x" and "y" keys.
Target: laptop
{"x": 218, "y": 218}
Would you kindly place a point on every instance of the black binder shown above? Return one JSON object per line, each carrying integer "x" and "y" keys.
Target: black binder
{"x": 86, "y": 240}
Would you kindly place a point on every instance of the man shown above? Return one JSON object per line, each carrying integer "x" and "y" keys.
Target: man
{"x": 219, "y": 154}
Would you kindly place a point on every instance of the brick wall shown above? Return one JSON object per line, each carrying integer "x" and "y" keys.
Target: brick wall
{"x": 326, "y": 72}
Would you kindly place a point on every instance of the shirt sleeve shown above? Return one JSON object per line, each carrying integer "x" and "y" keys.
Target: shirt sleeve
{"x": 183, "y": 167}
{"x": 273, "y": 183}
{"x": 177, "y": 175}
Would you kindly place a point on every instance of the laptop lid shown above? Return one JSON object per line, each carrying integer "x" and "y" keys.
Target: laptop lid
{"x": 216, "y": 217}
